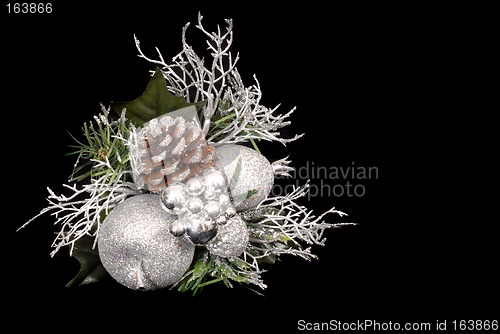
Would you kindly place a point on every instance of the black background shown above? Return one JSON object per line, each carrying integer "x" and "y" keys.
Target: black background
{"x": 399, "y": 88}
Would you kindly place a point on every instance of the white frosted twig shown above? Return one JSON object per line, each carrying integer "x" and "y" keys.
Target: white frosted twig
{"x": 282, "y": 226}
{"x": 219, "y": 84}
{"x": 282, "y": 167}
{"x": 80, "y": 213}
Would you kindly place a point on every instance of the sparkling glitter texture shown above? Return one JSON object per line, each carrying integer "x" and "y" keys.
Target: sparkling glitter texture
{"x": 136, "y": 247}
{"x": 249, "y": 174}
{"x": 231, "y": 239}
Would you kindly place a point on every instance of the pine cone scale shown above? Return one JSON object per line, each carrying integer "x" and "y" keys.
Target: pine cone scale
{"x": 169, "y": 150}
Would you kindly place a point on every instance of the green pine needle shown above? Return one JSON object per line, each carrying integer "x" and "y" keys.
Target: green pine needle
{"x": 102, "y": 142}
{"x": 210, "y": 269}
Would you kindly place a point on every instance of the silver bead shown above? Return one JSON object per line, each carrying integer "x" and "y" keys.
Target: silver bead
{"x": 221, "y": 220}
{"x": 208, "y": 224}
{"x": 177, "y": 228}
{"x": 193, "y": 221}
{"x": 194, "y": 205}
{"x": 211, "y": 193}
{"x": 200, "y": 230}
{"x": 214, "y": 179}
{"x": 230, "y": 211}
{"x": 212, "y": 209}
{"x": 224, "y": 200}
{"x": 194, "y": 186}
{"x": 174, "y": 198}
{"x": 200, "y": 237}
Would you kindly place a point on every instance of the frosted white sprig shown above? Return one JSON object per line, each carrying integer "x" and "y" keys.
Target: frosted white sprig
{"x": 280, "y": 226}
{"x": 294, "y": 221}
{"x": 233, "y": 112}
{"x": 80, "y": 213}
{"x": 281, "y": 167}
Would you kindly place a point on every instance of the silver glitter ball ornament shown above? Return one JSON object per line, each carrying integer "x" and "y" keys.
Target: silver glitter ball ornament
{"x": 136, "y": 247}
{"x": 249, "y": 174}
{"x": 231, "y": 239}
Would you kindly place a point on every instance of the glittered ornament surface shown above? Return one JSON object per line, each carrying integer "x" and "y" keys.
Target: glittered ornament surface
{"x": 231, "y": 239}
{"x": 249, "y": 174}
{"x": 136, "y": 247}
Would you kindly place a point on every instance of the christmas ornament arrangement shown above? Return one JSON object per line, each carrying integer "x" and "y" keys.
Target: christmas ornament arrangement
{"x": 171, "y": 189}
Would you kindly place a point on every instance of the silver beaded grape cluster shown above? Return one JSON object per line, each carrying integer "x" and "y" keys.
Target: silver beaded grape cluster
{"x": 201, "y": 205}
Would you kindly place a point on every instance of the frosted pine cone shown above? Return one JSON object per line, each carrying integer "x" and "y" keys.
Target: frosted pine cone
{"x": 167, "y": 150}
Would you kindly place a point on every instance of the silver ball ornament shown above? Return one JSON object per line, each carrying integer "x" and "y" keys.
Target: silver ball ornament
{"x": 136, "y": 247}
{"x": 249, "y": 174}
{"x": 231, "y": 239}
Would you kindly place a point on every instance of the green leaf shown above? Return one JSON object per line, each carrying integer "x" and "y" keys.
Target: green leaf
{"x": 155, "y": 101}
{"x": 91, "y": 268}
{"x": 251, "y": 193}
